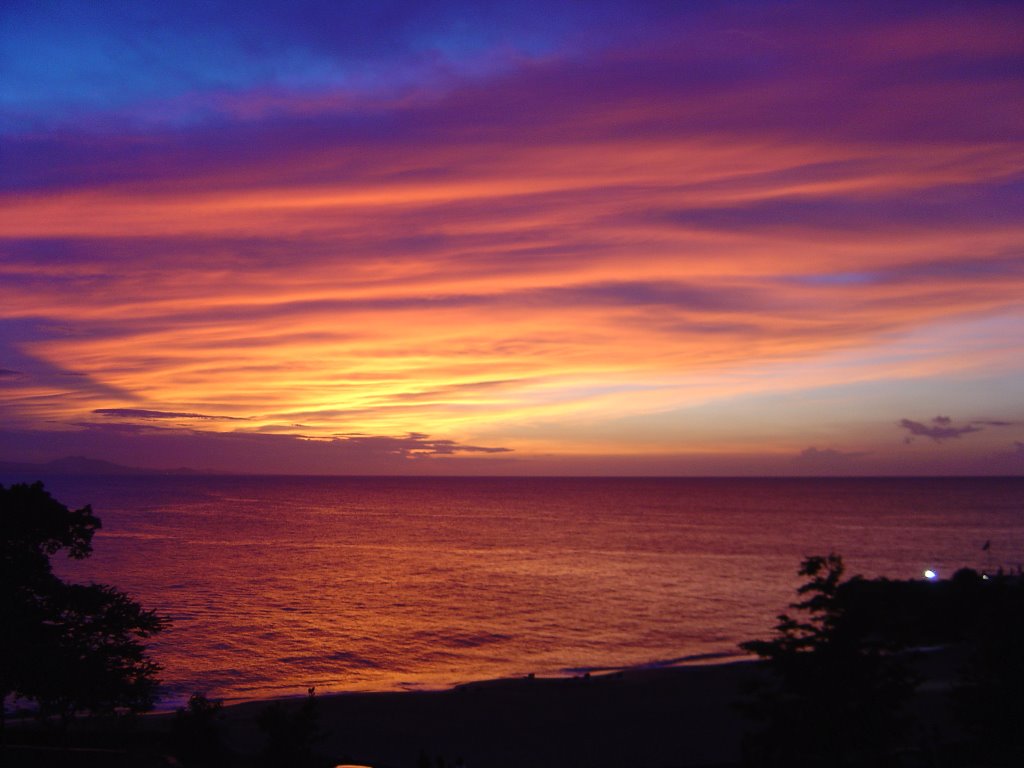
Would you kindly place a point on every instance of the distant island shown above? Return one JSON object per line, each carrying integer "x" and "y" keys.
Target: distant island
{"x": 81, "y": 465}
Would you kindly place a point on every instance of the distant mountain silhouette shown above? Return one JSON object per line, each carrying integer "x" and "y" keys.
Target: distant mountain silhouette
{"x": 81, "y": 465}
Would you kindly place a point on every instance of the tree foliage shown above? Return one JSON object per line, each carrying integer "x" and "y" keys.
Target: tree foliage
{"x": 834, "y": 690}
{"x": 67, "y": 647}
{"x": 196, "y": 731}
{"x": 988, "y": 699}
{"x": 291, "y": 732}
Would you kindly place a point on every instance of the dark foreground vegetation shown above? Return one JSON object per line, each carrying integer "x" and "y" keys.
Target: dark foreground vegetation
{"x": 900, "y": 674}
{"x": 892, "y": 673}
{"x": 66, "y": 648}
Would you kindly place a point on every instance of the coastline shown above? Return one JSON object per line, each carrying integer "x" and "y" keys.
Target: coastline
{"x": 711, "y": 658}
{"x": 680, "y": 715}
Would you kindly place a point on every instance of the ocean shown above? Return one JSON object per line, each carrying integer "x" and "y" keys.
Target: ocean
{"x": 275, "y": 584}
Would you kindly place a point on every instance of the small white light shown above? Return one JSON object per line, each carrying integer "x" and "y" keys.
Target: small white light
{"x": 930, "y": 574}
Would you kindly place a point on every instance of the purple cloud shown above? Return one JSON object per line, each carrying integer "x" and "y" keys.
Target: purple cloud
{"x": 942, "y": 428}
{"x": 159, "y": 447}
{"x": 414, "y": 445}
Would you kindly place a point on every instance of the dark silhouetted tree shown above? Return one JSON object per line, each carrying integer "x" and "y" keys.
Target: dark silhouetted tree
{"x": 196, "y": 732}
{"x": 67, "y": 647}
{"x": 989, "y": 698}
{"x": 291, "y": 732}
{"x": 834, "y": 689}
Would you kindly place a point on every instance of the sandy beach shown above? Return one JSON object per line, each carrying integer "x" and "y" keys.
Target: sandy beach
{"x": 677, "y": 716}
{"x": 669, "y": 717}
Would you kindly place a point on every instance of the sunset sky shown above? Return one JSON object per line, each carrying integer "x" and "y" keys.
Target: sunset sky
{"x": 667, "y": 238}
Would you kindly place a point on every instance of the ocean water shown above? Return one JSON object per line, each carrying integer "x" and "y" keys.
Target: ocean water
{"x": 275, "y": 584}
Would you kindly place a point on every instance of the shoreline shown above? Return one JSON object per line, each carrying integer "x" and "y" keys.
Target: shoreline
{"x": 679, "y": 715}
{"x": 663, "y": 717}
{"x": 715, "y": 658}
{"x": 682, "y": 716}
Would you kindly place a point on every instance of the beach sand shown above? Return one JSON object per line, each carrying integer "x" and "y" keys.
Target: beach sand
{"x": 669, "y": 717}
{"x": 676, "y": 716}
